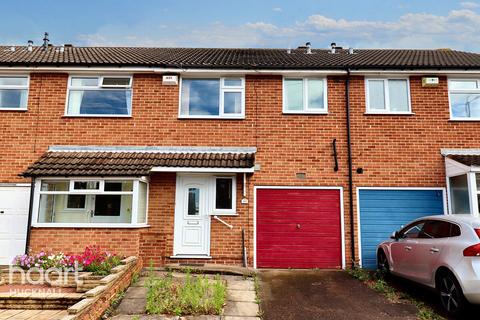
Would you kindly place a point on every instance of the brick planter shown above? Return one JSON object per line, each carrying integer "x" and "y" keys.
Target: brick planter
{"x": 87, "y": 282}
{"x": 93, "y": 295}
{"x": 98, "y": 299}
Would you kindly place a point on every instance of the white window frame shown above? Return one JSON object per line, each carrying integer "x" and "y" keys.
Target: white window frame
{"x": 225, "y": 212}
{"x": 222, "y": 90}
{"x": 135, "y": 193}
{"x": 306, "y": 109}
{"x": 99, "y": 87}
{"x": 466, "y": 91}
{"x": 26, "y": 87}
{"x": 387, "y": 110}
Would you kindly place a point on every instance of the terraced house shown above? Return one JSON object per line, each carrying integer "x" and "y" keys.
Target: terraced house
{"x": 267, "y": 157}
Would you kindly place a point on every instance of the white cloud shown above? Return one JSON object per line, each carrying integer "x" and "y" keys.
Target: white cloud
{"x": 457, "y": 29}
{"x": 277, "y": 9}
{"x": 469, "y": 5}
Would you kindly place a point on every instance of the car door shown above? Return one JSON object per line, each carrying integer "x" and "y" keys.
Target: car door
{"x": 432, "y": 241}
{"x": 403, "y": 249}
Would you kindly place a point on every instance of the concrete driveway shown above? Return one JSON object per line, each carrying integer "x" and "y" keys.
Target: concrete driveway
{"x": 324, "y": 294}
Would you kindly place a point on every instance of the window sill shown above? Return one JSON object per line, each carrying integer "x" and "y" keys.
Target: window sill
{"x": 91, "y": 225}
{"x": 463, "y": 119}
{"x": 14, "y": 109}
{"x": 225, "y": 214}
{"x": 211, "y": 118}
{"x": 96, "y": 116}
{"x": 305, "y": 112}
{"x": 389, "y": 113}
{"x": 186, "y": 256}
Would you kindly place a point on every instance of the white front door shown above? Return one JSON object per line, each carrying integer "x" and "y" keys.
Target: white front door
{"x": 14, "y": 202}
{"x": 192, "y": 219}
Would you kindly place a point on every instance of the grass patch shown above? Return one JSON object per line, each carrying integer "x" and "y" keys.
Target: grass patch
{"x": 376, "y": 281}
{"x": 193, "y": 296}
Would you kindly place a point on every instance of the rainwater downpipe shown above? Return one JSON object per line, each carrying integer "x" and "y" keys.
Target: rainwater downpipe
{"x": 350, "y": 175}
{"x": 30, "y": 210}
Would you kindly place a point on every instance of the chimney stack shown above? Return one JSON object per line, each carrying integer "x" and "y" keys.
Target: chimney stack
{"x": 333, "y": 46}
{"x": 45, "y": 41}
{"x": 30, "y": 45}
{"x": 309, "y": 47}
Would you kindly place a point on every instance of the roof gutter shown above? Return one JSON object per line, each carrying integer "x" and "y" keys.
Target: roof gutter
{"x": 350, "y": 165}
{"x": 383, "y": 72}
{"x": 86, "y": 69}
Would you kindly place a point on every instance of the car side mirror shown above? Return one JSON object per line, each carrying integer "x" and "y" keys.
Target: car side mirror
{"x": 395, "y": 235}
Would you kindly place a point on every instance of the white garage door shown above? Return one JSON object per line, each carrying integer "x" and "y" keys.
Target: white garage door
{"x": 13, "y": 222}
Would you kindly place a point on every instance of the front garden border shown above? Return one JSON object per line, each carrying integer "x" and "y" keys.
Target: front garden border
{"x": 99, "y": 299}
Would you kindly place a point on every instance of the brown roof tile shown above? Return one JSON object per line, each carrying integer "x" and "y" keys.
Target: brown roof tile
{"x": 130, "y": 163}
{"x": 223, "y": 58}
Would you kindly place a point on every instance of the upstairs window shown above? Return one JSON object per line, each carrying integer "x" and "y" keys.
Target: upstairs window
{"x": 388, "y": 96}
{"x": 99, "y": 96}
{"x": 304, "y": 95}
{"x": 464, "y": 99}
{"x": 13, "y": 92}
{"x": 212, "y": 98}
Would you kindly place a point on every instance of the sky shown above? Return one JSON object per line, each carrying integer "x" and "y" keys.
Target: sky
{"x": 245, "y": 23}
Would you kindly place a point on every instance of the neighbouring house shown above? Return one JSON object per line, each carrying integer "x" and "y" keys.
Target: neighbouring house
{"x": 303, "y": 158}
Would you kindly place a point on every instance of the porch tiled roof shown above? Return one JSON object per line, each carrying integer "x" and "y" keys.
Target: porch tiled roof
{"x": 468, "y": 160}
{"x": 54, "y": 163}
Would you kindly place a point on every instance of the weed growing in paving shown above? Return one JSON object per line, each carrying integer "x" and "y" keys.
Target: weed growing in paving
{"x": 193, "y": 296}
{"x": 377, "y": 282}
{"x": 256, "y": 283}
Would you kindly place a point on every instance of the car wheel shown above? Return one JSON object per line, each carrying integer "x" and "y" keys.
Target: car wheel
{"x": 382, "y": 263}
{"x": 451, "y": 295}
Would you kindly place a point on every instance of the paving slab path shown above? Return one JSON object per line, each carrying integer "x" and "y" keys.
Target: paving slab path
{"x": 240, "y": 305}
{"x": 21, "y": 314}
{"x": 325, "y": 294}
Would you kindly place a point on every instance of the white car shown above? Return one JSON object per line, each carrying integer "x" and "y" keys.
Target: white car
{"x": 441, "y": 252}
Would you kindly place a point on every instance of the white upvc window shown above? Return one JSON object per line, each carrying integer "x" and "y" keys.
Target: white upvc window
{"x": 388, "y": 96}
{"x": 225, "y": 195}
{"x": 464, "y": 97}
{"x": 212, "y": 98}
{"x": 305, "y": 95}
{"x": 90, "y": 202}
{"x": 14, "y": 92}
{"x": 99, "y": 96}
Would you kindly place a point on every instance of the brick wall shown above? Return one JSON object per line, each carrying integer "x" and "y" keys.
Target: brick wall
{"x": 392, "y": 150}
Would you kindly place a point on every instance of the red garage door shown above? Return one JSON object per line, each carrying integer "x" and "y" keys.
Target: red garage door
{"x": 298, "y": 228}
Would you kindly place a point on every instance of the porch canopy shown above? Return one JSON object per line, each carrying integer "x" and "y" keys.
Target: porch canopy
{"x": 461, "y": 161}
{"x": 462, "y": 168}
{"x": 140, "y": 161}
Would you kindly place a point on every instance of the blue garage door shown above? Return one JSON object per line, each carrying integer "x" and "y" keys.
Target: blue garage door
{"x": 384, "y": 211}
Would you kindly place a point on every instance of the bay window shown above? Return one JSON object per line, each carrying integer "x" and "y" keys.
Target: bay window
{"x": 13, "y": 92}
{"x": 388, "y": 96}
{"x": 212, "y": 98}
{"x": 99, "y": 96}
{"x": 90, "y": 202}
{"x": 304, "y": 95}
{"x": 464, "y": 99}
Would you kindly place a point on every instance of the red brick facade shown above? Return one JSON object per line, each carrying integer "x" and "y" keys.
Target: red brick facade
{"x": 393, "y": 150}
